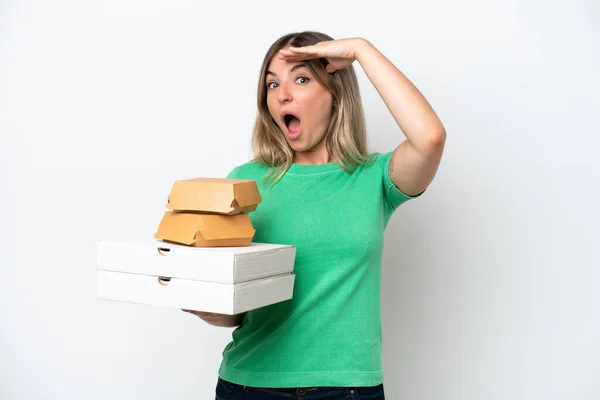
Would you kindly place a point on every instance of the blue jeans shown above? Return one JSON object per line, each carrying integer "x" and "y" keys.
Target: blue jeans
{"x": 230, "y": 391}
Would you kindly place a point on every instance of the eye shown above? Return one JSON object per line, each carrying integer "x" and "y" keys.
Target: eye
{"x": 270, "y": 85}
{"x": 303, "y": 78}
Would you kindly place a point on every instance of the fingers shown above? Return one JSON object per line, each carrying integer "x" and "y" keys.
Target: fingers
{"x": 198, "y": 313}
{"x": 295, "y": 54}
{"x": 298, "y": 53}
{"x": 305, "y": 50}
{"x": 294, "y": 57}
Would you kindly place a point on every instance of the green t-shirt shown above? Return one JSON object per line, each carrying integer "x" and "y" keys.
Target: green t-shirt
{"x": 329, "y": 333}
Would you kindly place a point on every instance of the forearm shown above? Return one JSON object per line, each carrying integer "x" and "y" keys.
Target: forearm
{"x": 227, "y": 321}
{"x": 409, "y": 108}
{"x": 222, "y": 320}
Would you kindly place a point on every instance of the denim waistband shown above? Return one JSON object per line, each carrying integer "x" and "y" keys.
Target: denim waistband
{"x": 310, "y": 392}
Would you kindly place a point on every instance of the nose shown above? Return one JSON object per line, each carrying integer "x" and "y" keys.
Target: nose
{"x": 284, "y": 95}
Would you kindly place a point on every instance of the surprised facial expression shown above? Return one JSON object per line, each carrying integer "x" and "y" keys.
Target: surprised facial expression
{"x": 298, "y": 103}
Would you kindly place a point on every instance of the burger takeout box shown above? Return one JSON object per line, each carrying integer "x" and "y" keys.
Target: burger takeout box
{"x": 224, "y": 280}
{"x": 210, "y": 212}
{"x": 214, "y": 195}
{"x": 205, "y": 230}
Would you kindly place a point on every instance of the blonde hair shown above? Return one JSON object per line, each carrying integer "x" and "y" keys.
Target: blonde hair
{"x": 346, "y": 138}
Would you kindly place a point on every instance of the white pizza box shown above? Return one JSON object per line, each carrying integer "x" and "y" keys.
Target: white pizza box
{"x": 221, "y": 298}
{"x": 227, "y": 265}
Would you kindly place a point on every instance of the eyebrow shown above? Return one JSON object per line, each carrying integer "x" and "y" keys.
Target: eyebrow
{"x": 295, "y": 67}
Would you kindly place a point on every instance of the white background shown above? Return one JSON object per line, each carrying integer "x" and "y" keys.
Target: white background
{"x": 491, "y": 279}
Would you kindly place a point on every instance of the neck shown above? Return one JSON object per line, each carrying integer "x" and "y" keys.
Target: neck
{"x": 316, "y": 155}
{"x": 311, "y": 158}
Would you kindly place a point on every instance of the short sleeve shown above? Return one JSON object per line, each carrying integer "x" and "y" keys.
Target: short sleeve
{"x": 393, "y": 196}
{"x": 233, "y": 174}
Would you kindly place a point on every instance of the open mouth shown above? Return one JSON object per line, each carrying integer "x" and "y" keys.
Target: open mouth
{"x": 292, "y": 123}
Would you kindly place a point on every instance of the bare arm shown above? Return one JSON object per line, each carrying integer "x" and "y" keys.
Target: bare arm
{"x": 415, "y": 161}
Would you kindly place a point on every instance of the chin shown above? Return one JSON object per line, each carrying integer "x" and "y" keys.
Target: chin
{"x": 296, "y": 145}
{"x": 303, "y": 144}
{"x": 299, "y": 147}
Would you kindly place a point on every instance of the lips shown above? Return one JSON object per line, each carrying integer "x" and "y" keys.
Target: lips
{"x": 292, "y": 124}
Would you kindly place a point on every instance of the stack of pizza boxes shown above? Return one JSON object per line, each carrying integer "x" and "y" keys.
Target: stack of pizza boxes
{"x": 202, "y": 256}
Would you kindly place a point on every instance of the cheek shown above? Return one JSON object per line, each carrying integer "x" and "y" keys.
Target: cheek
{"x": 272, "y": 106}
{"x": 322, "y": 109}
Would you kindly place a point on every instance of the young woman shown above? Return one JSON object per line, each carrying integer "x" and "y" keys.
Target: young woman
{"x": 325, "y": 194}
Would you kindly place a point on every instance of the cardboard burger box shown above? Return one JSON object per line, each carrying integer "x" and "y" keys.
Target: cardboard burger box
{"x": 205, "y": 230}
{"x": 209, "y": 212}
{"x": 202, "y": 256}
{"x": 214, "y": 195}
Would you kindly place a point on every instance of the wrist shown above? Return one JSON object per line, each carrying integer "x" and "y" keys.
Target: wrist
{"x": 361, "y": 48}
